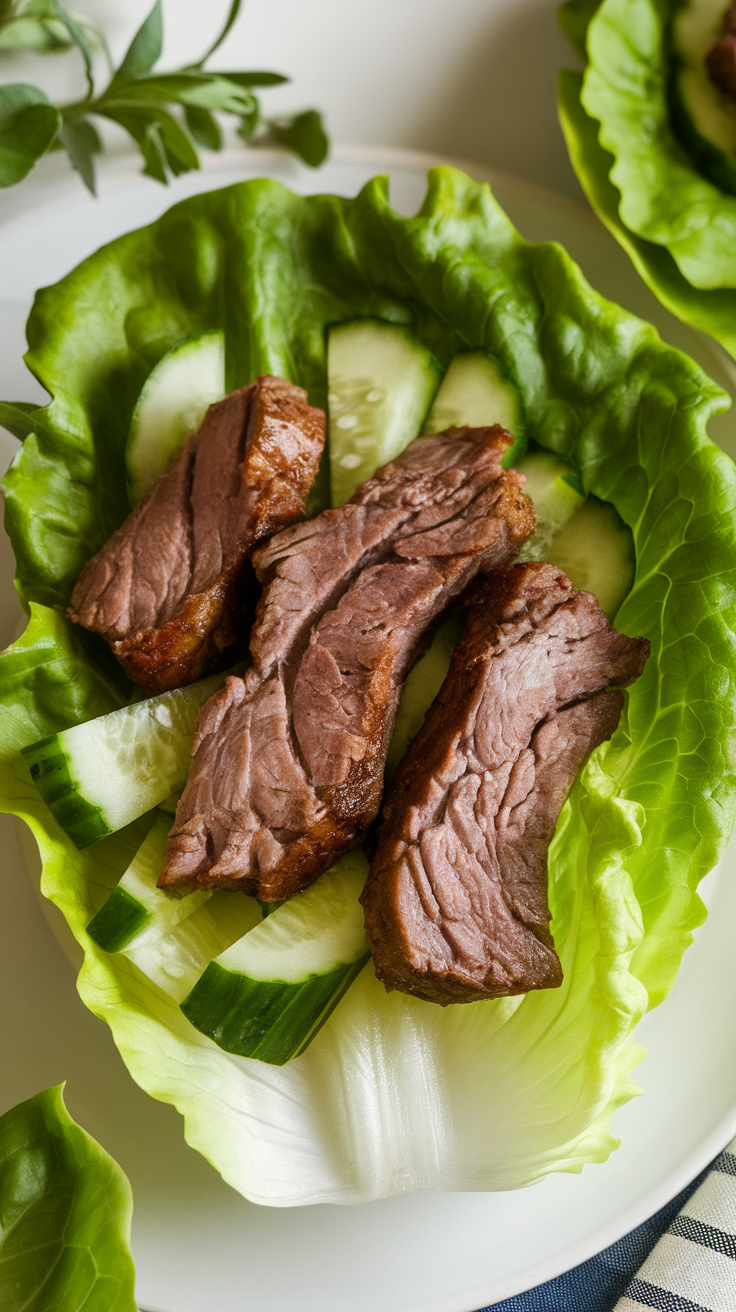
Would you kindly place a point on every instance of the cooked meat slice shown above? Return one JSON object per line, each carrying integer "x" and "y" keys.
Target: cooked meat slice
{"x": 456, "y": 901}
{"x": 287, "y": 764}
{"x": 720, "y": 60}
{"x": 169, "y": 591}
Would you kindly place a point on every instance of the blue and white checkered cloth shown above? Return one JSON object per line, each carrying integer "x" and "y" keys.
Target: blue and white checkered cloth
{"x": 682, "y": 1260}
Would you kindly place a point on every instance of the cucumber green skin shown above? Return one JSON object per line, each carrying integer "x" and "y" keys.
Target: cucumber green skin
{"x": 118, "y": 921}
{"x": 49, "y": 767}
{"x": 268, "y": 907}
{"x": 575, "y": 482}
{"x": 708, "y": 159}
{"x": 265, "y": 1019}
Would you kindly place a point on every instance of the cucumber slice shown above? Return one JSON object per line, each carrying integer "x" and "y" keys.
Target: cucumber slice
{"x": 170, "y": 940}
{"x": 381, "y": 381}
{"x": 174, "y": 957}
{"x": 121, "y": 919}
{"x": 268, "y": 995}
{"x": 136, "y": 901}
{"x": 172, "y": 405}
{"x": 557, "y": 493}
{"x": 97, "y": 777}
{"x": 596, "y": 550}
{"x": 420, "y": 689}
{"x": 703, "y": 118}
{"x": 477, "y": 392}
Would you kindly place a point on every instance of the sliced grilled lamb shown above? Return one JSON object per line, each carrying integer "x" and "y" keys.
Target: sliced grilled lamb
{"x": 456, "y": 902}
{"x": 171, "y": 588}
{"x": 287, "y": 765}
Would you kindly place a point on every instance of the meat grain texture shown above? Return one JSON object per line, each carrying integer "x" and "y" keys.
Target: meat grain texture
{"x": 456, "y": 905}
{"x": 287, "y": 764}
{"x": 171, "y": 589}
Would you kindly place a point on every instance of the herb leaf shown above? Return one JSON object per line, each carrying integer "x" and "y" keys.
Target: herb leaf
{"x": 203, "y": 127}
{"x": 29, "y": 31}
{"x": 207, "y": 90}
{"x": 304, "y": 134}
{"x": 250, "y": 122}
{"x": 78, "y": 36}
{"x": 81, "y": 140}
{"x": 256, "y": 79}
{"x": 137, "y": 98}
{"x": 231, "y": 17}
{"x": 28, "y": 127}
{"x": 145, "y": 48}
{"x": 163, "y": 143}
{"x": 35, "y": 25}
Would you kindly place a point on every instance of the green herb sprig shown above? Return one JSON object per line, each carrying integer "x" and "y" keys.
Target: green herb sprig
{"x": 138, "y": 99}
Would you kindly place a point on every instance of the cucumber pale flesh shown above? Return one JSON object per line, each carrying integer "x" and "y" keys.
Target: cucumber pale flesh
{"x": 557, "y": 493}
{"x": 173, "y": 957}
{"x": 172, "y": 405}
{"x": 585, "y": 537}
{"x": 596, "y": 550}
{"x": 269, "y": 994}
{"x": 476, "y": 392}
{"x": 137, "y": 901}
{"x": 380, "y": 381}
{"x": 97, "y": 777}
{"x": 420, "y": 689}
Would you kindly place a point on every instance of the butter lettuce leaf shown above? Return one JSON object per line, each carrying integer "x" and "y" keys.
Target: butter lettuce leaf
{"x": 678, "y": 228}
{"x": 713, "y": 312}
{"x": 396, "y": 1094}
{"x": 664, "y": 199}
{"x": 65, "y": 1209}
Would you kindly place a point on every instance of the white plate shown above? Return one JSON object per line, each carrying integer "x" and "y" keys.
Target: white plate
{"x": 198, "y": 1246}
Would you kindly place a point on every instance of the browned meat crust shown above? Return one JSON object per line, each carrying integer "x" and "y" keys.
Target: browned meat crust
{"x": 170, "y": 589}
{"x": 287, "y": 765}
{"x": 720, "y": 60}
{"x": 456, "y": 901}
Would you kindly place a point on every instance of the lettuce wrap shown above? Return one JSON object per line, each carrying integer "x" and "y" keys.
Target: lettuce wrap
{"x": 678, "y": 227}
{"x": 396, "y": 1094}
